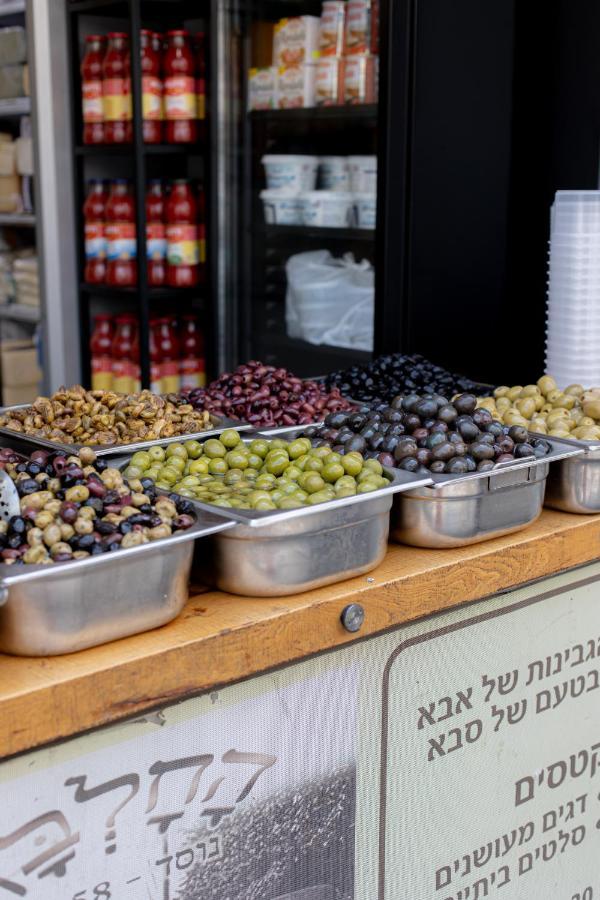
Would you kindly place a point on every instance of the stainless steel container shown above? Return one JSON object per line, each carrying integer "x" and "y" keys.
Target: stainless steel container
{"x": 574, "y": 484}
{"x": 28, "y": 442}
{"x": 458, "y": 510}
{"x": 61, "y": 608}
{"x": 272, "y": 553}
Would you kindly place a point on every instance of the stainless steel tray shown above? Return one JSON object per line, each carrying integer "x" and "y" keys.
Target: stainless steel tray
{"x": 27, "y": 442}
{"x": 61, "y": 608}
{"x": 574, "y": 484}
{"x": 457, "y": 510}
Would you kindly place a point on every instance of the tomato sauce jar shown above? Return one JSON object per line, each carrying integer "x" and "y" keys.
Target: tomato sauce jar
{"x": 180, "y": 89}
{"x": 117, "y": 90}
{"x": 121, "y": 270}
{"x": 183, "y": 255}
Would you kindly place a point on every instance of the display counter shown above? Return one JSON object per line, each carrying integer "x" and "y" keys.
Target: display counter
{"x": 234, "y": 714}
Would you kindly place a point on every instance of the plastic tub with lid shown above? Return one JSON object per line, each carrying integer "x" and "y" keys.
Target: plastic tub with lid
{"x": 290, "y": 171}
{"x": 366, "y": 210}
{"x": 328, "y": 209}
{"x": 334, "y": 173}
{"x": 282, "y": 207}
{"x": 363, "y": 174}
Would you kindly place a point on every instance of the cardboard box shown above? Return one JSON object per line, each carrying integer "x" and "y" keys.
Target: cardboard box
{"x": 19, "y": 363}
{"x": 10, "y": 193}
{"x": 14, "y": 82}
{"x": 24, "y": 155}
{"x": 328, "y": 89}
{"x": 360, "y": 79}
{"x": 13, "y": 45}
{"x": 296, "y": 41}
{"x": 296, "y": 86}
{"x": 359, "y": 25}
{"x": 24, "y": 393}
{"x": 262, "y": 88}
{"x": 8, "y": 158}
{"x": 333, "y": 17}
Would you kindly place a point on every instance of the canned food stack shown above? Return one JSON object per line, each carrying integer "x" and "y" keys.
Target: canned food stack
{"x": 573, "y": 311}
{"x": 323, "y": 192}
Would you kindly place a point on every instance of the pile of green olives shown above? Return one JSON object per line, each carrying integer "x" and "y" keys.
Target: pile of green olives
{"x": 260, "y": 474}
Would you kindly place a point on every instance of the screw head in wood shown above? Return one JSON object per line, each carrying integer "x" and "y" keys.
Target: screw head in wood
{"x": 353, "y": 617}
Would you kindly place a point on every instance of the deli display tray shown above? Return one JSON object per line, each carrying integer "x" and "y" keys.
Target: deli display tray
{"x": 28, "y": 442}
{"x": 574, "y": 483}
{"x": 46, "y": 610}
{"x": 457, "y": 510}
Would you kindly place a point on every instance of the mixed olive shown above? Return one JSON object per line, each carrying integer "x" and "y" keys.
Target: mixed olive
{"x": 258, "y": 474}
{"x": 266, "y": 396}
{"x": 76, "y": 416}
{"x": 425, "y": 434}
{"x": 543, "y": 408}
{"x": 74, "y": 507}
{"x": 385, "y": 377}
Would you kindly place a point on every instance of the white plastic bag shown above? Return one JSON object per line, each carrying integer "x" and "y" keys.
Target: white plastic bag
{"x": 330, "y": 301}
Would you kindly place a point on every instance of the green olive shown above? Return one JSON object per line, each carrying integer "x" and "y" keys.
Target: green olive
{"x": 193, "y": 449}
{"x": 177, "y": 462}
{"x": 366, "y": 486}
{"x": 169, "y": 474}
{"x": 312, "y": 482}
{"x": 141, "y": 460}
{"x": 264, "y": 504}
{"x": 298, "y": 448}
{"x": 374, "y": 466}
{"x": 176, "y": 449}
{"x": 198, "y": 466}
{"x": 230, "y": 438}
{"x": 290, "y": 503}
{"x": 321, "y": 452}
{"x": 332, "y": 472}
{"x": 132, "y": 472}
{"x": 254, "y": 460}
{"x": 364, "y": 475}
{"x": 260, "y": 447}
{"x": 236, "y": 460}
{"x": 319, "y": 497}
{"x": 313, "y": 464}
{"x": 156, "y": 453}
{"x": 214, "y": 449}
{"x": 352, "y": 464}
{"x": 278, "y": 444}
{"x": 292, "y": 473}
{"x": 276, "y": 463}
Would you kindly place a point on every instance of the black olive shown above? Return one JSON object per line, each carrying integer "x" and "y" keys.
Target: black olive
{"x": 456, "y": 466}
{"x": 17, "y": 525}
{"x": 482, "y": 417}
{"x": 356, "y": 444}
{"x": 105, "y": 527}
{"x": 424, "y": 456}
{"x": 411, "y": 421}
{"x": 405, "y": 448}
{"x": 468, "y": 431}
{"x": 437, "y": 466}
{"x": 440, "y": 427}
{"x": 506, "y": 444}
{"x": 125, "y": 527}
{"x": 465, "y": 404}
{"x": 410, "y": 402}
{"x": 34, "y": 469}
{"x": 485, "y": 465}
{"x": 471, "y": 464}
{"x": 518, "y": 433}
{"x": 426, "y": 409}
{"x": 387, "y": 460}
{"x": 27, "y": 486}
{"x": 376, "y": 442}
{"x": 480, "y": 451}
{"x": 393, "y": 416}
{"x": 460, "y": 448}
{"x": 447, "y": 414}
{"x": 408, "y": 464}
{"x": 100, "y": 464}
{"x": 444, "y": 451}
{"x": 523, "y": 450}
{"x": 495, "y": 428}
{"x": 336, "y": 420}
{"x": 486, "y": 438}
{"x": 434, "y": 440}
{"x": 86, "y": 541}
{"x": 541, "y": 447}
{"x": 390, "y": 443}
{"x": 428, "y": 423}
{"x": 96, "y": 504}
{"x": 15, "y": 540}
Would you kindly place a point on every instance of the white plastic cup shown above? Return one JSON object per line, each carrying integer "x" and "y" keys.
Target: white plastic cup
{"x": 327, "y": 209}
{"x": 281, "y": 207}
{"x": 334, "y": 173}
{"x": 366, "y": 210}
{"x": 363, "y": 174}
{"x": 290, "y": 171}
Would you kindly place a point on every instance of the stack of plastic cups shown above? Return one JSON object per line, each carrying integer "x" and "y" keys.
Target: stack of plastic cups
{"x": 573, "y": 312}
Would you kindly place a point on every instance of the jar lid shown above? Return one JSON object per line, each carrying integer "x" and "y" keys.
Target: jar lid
{"x": 95, "y": 37}
{"x": 178, "y": 32}
{"x": 117, "y": 34}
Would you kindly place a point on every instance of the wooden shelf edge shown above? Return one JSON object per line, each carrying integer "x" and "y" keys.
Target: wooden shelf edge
{"x": 221, "y": 639}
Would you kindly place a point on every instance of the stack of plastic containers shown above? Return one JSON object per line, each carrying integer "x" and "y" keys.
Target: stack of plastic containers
{"x": 573, "y": 313}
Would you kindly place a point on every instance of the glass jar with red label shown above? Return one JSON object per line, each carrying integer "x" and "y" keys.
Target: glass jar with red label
{"x": 168, "y": 345}
{"x": 183, "y": 255}
{"x": 180, "y": 89}
{"x": 152, "y": 89}
{"x": 126, "y": 355}
{"x": 121, "y": 236}
{"x": 156, "y": 238}
{"x": 116, "y": 89}
{"x": 200, "y": 54}
{"x": 192, "y": 365}
{"x": 94, "y": 214}
{"x": 91, "y": 89}
{"x": 101, "y": 353}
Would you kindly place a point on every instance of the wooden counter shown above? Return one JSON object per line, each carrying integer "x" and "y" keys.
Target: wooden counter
{"x": 220, "y": 638}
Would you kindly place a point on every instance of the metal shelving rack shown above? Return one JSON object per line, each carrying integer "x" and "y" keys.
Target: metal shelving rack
{"x": 139, "y": 161}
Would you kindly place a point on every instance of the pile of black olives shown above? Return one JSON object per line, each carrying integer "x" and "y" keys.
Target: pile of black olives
{"x": 387, "y": 376}
{"x": 424, "y": 434}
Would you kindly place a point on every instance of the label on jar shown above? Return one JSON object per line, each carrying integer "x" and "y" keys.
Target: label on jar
{"x": 102, "y": 376}
{"x": 155, "y": 382}
{"x": 117, "y": 100}
{"x": 169, "y": 376}
{"x": 182, "y": 245}
{"x": 93, "y": 104}
{"x": 180, "y": 97}
{"x": 121, "y": 240}
{"x": 152, "y": 97}
{"x": 201, "y": 98}
{"x": 192, "y": 374}
{"x": 95, "y": 240}
{"x": 156, "y": 240}
{"x": 126, "y": 375}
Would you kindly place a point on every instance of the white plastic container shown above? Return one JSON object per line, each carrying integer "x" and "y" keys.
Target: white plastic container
{"x": 282, "y": 207}
{"x": 293, "y": 172}
{"x": 363, "y": 174}
{"x": 366, "y": 210}
{"x": 327, "y": 209}
{"x": 334, "y": 173}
